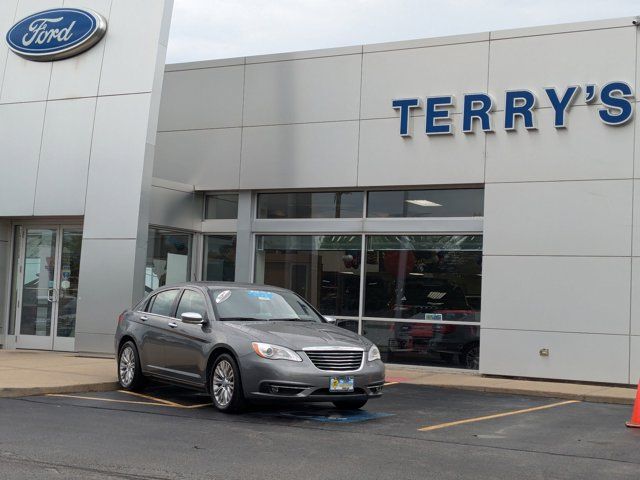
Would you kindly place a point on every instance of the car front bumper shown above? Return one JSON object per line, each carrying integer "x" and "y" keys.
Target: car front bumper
{"x": 303, "y": 381}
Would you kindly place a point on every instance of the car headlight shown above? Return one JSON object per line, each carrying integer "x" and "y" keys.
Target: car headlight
{"x": 374, "y": 353}
{"x": 275, "y": 352}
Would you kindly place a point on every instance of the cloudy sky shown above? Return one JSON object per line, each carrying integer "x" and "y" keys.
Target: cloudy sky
{"x": 209, "y": 29}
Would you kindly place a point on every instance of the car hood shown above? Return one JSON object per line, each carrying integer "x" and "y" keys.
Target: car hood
{"x": 299, "y": 335}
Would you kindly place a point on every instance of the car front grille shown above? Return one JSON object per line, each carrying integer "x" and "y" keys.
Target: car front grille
{"x": 336, "y": 360}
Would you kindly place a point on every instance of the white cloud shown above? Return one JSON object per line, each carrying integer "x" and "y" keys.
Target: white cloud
{"x": 209, "y": 29}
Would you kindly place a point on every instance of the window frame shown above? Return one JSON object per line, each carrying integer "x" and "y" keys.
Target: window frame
{"x": 256, "y": 209}
{"x": 205, "y": 204}
{"x": 152, "y": 301}
{"x": 207, "y": 317}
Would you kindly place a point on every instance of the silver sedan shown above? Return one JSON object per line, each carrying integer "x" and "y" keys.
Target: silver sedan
{"x": 243, "y": 342}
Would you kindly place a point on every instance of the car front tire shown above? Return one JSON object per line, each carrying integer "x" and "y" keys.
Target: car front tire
{"x": 129, "y": 372}
{"x": 349, "y": 404}
{"x": 226, "y": 386}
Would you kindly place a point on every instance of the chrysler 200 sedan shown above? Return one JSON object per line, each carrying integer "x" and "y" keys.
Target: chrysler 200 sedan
{"x": 245, "y": 343}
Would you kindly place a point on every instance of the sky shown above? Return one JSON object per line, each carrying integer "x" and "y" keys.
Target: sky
{"x": 211, "y": 29}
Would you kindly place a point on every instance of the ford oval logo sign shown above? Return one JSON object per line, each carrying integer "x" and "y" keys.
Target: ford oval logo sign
{"x": 56, "y": 34}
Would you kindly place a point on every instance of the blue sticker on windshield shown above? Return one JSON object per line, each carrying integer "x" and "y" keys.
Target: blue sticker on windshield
{"x": 261, "y": 295}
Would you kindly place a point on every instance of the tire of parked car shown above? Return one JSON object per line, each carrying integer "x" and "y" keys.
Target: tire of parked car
{"x": 129, "y": 371}
{"x": 349, "y": 404}
{"x": 225, "y": 385}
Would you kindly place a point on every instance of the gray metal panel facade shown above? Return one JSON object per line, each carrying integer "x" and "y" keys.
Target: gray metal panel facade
{"x": 561, "y": 217}
{"x": 78, "y": 139}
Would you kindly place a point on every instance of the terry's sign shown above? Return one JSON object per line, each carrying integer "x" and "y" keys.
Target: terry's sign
{"x": 616, "y": 108}
{"x": 56, "y": 34}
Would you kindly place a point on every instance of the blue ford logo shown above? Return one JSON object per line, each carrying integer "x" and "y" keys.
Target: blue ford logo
{"x": 56, "y": 34}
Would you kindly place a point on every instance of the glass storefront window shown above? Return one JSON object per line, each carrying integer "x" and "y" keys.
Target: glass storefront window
{"x": 460, "y": 202}
{"x": 311, "y": 205}
{"x": 168, "y": 258}
{"x": 436, "y": 344}
{"x": 219, "y": 258}
{"x": 324, "y": 269}
{"x": 427, "y": 278}
{"x": 424, "y": 277}
{"x": 221, "y": 206}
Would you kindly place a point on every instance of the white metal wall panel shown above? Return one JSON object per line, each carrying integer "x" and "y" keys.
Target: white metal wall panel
{"x": 418, "y": 72}
{"x": 589, "y": 218}
{"x": 539, "y": 61}
{"x": 20, "y": 136}
{"x": 207, "y": 158}
{"x": 203, "y": 98}
{"x": 557, "y": 294}
{"x": 302, "y": 91}
{"x": 585, "y": 150}
{"x": 66, "y": 146}
{"x": 310, "y": 155}
{"x": 573, "y": 356}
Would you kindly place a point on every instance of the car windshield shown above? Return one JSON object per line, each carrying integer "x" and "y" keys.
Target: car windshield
{"x": 254, "y": 304}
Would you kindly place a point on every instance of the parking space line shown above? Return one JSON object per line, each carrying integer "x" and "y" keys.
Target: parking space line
{"x": 497, "y": 415}
{"x": 200, "y": 405}
{"x": 389, "y": 384}
{"x": 149, "y": 397}
{"x": 114, "y": 400}
{"x": 159, "y": 403}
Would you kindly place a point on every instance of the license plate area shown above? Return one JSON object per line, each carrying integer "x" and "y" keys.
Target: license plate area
{"x": 341, "y": 384}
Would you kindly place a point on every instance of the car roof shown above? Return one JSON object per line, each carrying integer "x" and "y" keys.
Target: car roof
{"x": 227, "y": 285}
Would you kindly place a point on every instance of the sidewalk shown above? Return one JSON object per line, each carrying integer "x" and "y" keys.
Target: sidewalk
{"x": 25, "y": 373}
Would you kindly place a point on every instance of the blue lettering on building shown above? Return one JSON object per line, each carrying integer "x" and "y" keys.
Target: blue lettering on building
{"x": 616, "y": 107}
{"x": 438, "y": 115}
{"x": 616, "y": 98}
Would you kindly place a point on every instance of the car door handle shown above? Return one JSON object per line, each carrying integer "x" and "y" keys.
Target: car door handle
{"x": 144, "y": 318}
{"x": 173, "y": 324}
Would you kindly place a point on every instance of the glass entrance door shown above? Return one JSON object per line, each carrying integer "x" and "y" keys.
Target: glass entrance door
{"x": 48, "y": 271}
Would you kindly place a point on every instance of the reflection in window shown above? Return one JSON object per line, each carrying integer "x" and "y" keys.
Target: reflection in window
{"x": 70, "y": 276}
{"x": 460, "y": 202}
{"x": 168, "y": 258}
{"x": 162, "y": 303}
{"x": 311, "y": 205}
{"x": 192, "y": 302}
{"x": 221, "y": 206}
{"x": 220, "y": 258}
{"x": 444, "y": 345}
{"x": 324, "y": 269}
{"x": 424, "y": 277}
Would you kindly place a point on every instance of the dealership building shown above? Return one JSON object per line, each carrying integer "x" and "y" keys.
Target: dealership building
{"x": 464, "y": 202}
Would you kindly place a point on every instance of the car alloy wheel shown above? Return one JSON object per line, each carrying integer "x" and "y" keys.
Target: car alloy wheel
{"x": 127, "y": 367}
{"x": 223, "y": 383}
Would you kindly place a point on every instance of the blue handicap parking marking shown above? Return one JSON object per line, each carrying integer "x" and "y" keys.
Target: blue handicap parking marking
{"x": 330, "y": 416}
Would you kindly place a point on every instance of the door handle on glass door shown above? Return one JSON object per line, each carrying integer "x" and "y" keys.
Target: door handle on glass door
{"x": 52, "y": 295}
{"x": 173, "y": 324}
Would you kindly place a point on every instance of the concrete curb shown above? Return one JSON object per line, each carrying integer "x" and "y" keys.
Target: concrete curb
{"x": 81, "y": 388}
{"x": 473, "y": 381}
{"x": 594, "y": 398}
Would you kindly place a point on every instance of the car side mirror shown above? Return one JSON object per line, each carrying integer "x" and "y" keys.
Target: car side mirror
{"x": 192, "y": 318}
{"x": 331, "y": 320}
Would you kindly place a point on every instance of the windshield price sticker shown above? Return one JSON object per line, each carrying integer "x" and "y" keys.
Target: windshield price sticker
{"x": 260, "y": 295}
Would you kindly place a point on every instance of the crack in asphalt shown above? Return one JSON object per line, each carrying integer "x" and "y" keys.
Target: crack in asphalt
{"x": 10, "y": 457}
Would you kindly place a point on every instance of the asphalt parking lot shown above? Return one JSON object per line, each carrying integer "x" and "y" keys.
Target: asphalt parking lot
{"x": 412, "y": 432}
